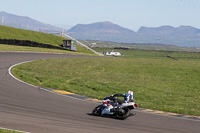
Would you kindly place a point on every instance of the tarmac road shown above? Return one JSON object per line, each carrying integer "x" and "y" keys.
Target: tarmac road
{"x": 30, "y": 109}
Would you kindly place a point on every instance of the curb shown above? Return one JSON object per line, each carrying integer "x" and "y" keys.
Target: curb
{"x": 76, "y": 96}
{"x": 170, "y": 114}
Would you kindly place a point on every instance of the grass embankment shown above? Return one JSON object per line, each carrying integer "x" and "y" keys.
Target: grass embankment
{"x": 19, "y": 34}
{"x": 161, "y": 84}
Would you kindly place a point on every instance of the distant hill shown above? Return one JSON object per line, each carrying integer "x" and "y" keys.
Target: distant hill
{"x": 24, "y": 22}
{"x": 101, "y": 27}
{"x": 164, "y": 30}
{"x": 181, "y": 36}
{"x": 107, "y": 31}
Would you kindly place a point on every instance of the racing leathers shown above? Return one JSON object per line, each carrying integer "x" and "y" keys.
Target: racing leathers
{"x": 127, "y": 98}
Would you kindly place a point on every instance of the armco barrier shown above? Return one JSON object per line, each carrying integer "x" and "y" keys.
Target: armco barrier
{"x": 28, "y": 43}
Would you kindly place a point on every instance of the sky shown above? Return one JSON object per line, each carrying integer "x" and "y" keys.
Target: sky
{"x": 131, "y": 14}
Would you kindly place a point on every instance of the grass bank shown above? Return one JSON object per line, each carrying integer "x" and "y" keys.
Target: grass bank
{"x": 20, "y": 34}
{"x": 161, "y": 84}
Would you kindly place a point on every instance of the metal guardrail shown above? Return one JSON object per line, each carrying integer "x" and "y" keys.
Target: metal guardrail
{"x": 28, "y": 43}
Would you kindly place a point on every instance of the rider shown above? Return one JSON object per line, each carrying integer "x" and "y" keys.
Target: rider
{"x": 128, "y": 97}
{"x": 109, "y": 104}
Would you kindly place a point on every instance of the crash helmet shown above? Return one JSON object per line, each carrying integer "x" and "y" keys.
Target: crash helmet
{"x": 130, "y": 93}
{"x": 129, "y": 96}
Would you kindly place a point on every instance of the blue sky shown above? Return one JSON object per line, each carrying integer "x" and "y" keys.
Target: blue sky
{"x": 130, "y": 14}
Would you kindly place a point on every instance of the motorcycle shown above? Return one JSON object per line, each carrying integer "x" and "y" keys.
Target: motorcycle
{"x": 110, "y": 108}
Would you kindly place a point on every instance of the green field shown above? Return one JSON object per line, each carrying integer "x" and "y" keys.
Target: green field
{"x": 161, "y": 84}
{"x": 136, "y": 53}
{"x": 139, "y": 46}
{"x": 19, "y": 34}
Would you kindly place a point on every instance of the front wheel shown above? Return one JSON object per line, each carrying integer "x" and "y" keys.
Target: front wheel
{"x": 123, "y": 114}
{"x": 97, "y": 110}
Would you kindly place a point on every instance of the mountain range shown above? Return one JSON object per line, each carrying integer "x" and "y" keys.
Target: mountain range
{"x": 106, "y": 31}
{"x": 187, "y": 36}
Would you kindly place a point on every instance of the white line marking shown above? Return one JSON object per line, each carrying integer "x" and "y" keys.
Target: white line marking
{"x": 9, "y": 71}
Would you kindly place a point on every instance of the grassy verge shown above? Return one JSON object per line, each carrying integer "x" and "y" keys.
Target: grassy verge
{"x": 161, "y": 84}
{"x": 8, "y": 131}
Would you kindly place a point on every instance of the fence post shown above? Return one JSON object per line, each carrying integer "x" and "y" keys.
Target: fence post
{"x": 2, "y": 18}
{"x": 62, "y": 33}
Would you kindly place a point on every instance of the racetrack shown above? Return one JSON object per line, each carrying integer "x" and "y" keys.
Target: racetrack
{"x": 30, "y": 109}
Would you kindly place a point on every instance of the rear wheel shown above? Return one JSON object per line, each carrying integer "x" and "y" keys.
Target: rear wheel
{"x": 97, "y": 110}
{"x": 123, "y": 114}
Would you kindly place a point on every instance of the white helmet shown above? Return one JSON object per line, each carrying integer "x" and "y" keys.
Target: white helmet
{"x": 130, "y": 93}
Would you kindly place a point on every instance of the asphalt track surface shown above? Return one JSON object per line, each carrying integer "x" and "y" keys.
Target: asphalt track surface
{"x": 30, "y": 109}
